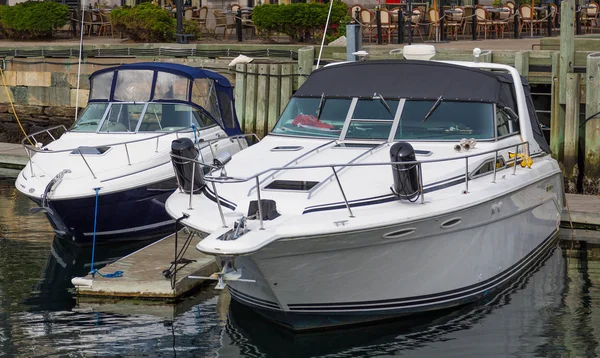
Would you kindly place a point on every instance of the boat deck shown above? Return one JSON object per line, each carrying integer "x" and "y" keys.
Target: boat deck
{"x": 143, "y": 273}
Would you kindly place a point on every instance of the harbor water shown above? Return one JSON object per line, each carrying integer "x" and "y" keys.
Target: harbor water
{"x": 551, "y": 311}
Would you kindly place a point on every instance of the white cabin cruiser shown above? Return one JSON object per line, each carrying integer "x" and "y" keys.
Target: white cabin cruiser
{"x": 120, "y": 145}
{"x": 386, "y": 188}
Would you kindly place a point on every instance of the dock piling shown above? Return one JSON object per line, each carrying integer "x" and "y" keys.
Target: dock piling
{"x": 592, "y": 126}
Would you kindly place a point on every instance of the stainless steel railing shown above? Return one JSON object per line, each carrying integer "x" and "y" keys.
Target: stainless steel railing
{"x": 207, "y": 143}
{"x": 418, "y": 163}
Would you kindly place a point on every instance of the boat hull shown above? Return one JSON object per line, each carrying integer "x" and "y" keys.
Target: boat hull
{"x": 126, "y": 215}
{"x": 445, "y": 261}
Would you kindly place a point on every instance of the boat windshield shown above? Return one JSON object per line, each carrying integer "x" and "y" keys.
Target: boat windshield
{"x": 449, "y": 121}
{"x": 139, "y": 117}
{"x": 373, "y": 118}
{"x": 302, "y": 117}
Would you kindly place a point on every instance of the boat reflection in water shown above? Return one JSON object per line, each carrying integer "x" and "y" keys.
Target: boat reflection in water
{"x": 498, "y": 325}
{"x": 66, "y": 260}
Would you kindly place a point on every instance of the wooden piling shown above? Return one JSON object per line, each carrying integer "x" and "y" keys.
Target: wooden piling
{"x": 592, "y": 126}
{"x": 572, "y": 97}
{"x": 274, "y": 94}
{"x": 262, "y": 99}
{"x": 306, "y": 59}
{"x": 287, "y": 83}
{"x": 567, "y": 44}
{"x": 557, "y": 114}
{"x": 240, "y": 93}
{"x": 522, "y": 63}
{"x": 251, "y": 87}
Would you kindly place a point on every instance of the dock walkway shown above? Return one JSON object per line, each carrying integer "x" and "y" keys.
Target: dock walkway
{"x": 585, "y": 212}
{"x": 143, "y": 273}
{"x": 12, "y": 156}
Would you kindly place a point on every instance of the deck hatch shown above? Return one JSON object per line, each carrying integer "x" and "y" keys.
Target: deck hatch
{"x": 90, "y": 150}
{"x": 296, "y": 185}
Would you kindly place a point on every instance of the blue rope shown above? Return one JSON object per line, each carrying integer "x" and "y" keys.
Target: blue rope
{"x": 93, "y": 271}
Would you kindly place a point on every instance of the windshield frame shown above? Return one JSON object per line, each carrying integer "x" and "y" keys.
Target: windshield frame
{"x": 146, "y": 105}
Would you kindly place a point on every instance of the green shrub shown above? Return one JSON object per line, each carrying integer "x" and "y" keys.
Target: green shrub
{"x": 145, "y": 22}
{"x": 192, "y": 27}
{"x": 33, "y": 19}
{"x": 298, "y": 21}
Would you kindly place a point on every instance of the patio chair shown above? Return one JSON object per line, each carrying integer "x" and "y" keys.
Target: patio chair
{"x": 188, "y": 14}
{"x": 528, "y": 19}
{"x": 434, "y": 25}
{"x": 511, "y": 6}
{"x": 235, "y": 7}
{"x": 367, "y": 21}
{"x": 415, "y": 22}
{"x": 455, "y": 22}
{"x": 467, "y": 19}
{"x": 221, "y": 21}
{"x": 387, "y": 27}
{"x": 105, "y": 24}
{"x": 201, "y": 16}
{"x": 483, "y": 22}
{"x": 589, "y": 17}
{"x": 353, "y": 9}
{"x": 503, "y": 21}
{"x": 89, "y": 21}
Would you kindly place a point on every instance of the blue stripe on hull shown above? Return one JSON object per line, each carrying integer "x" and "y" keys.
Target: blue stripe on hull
{"x": 133, "y": 214}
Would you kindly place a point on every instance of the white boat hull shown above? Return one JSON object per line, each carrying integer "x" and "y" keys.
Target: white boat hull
{"x": 311, "y": 282}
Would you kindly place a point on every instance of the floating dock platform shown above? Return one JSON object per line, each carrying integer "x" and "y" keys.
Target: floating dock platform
{"x": 584, "y": 212}
{"x": 143, "y": 276}
{"x": 12, "y": 156}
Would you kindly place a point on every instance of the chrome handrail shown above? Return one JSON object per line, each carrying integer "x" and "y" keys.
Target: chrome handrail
{"x": 418, "y": 163}
{"x": 209, "y": 142}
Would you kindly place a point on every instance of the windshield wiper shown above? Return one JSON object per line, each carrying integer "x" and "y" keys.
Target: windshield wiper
{"x": 380, "y": 97}
{"x": 320, "y": 105}
{"x": 433, "y": 108}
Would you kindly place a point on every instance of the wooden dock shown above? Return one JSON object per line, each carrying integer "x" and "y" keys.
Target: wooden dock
{"x": 12, "y": 156}
{"x": 143, "y": 273}
{"x": 585, "y": 212}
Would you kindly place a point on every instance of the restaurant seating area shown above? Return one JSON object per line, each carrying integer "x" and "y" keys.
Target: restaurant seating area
{"x": 450, "y": 22}
{"x": 217, "y": 23}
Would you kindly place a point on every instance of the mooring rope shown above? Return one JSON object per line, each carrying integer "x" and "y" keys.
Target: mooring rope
{"x": 94, "y": 271}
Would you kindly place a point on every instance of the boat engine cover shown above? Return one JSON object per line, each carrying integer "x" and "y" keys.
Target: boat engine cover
{"x": 406, "y": 176}
{"x": 186, "y": 169}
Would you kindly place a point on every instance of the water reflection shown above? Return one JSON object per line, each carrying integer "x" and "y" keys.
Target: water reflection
{"x": 552, "y": 311}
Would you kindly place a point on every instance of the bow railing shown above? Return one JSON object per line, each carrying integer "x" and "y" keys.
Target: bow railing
{"x": 224, "y": 179}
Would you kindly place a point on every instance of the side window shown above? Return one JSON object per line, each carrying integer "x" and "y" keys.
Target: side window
{"x": 506, "y": 122}
{"x": 161, "y": 117}
{"x": 200, "y": 119}
{"x": 122, "y": 117}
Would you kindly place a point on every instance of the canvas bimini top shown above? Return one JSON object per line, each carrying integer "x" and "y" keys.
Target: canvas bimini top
{"x": 419, "y": 81}
{"x": 143, "y": 82}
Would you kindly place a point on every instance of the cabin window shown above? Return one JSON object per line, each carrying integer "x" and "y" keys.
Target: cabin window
{"x": 122, "y": 117}
{"x": 90, "y": 118}
{"x": 162, "y": 117}
{"x": 171, "y": 87}
{"x": 372, "y": 119}
{"x": 132, "y": 85}
{"x": 449, "y": 121}
{"x": 101, "y": 85}
{"x": 301, "y": 117}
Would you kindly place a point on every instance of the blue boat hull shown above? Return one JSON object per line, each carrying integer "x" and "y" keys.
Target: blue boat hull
{"x": 132, "y": 214}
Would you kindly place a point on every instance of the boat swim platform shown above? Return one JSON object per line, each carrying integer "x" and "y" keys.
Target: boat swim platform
{"x": 12, "y": 156}
{"x": 143, "y": 273}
